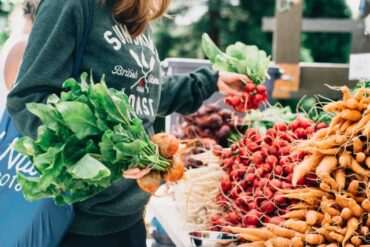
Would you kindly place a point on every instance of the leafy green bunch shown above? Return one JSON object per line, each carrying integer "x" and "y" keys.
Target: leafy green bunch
{"x": 89, "y": 134}
{"x": 238, "y": 58}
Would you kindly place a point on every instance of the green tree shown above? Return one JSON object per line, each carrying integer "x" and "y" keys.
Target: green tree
{"x": 327, "y": 47}
{"x": 228, "y": 21}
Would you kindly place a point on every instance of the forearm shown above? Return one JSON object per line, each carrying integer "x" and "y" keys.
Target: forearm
{"x": 185, "y": 93}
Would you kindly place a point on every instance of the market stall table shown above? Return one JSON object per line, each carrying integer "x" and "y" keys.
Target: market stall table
{"x": 165, "y": 210}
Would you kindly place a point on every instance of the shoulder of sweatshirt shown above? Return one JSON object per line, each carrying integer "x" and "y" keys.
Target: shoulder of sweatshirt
{"x": 60, "y": 6}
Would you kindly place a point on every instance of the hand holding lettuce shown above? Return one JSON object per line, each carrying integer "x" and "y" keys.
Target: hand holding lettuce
{"x": 88, "y": 136}
{"x": 242, "y": 59}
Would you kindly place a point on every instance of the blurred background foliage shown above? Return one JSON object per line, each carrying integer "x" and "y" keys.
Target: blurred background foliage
{"x": 228, "y": 21}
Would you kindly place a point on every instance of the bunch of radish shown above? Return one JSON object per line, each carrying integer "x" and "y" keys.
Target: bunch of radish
{"x": 252, "y": 96}
{"x": 210, "y": 122}
{"x": 258, "y": 168}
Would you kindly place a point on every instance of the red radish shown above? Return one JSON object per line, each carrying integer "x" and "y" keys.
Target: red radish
{"x": 276, "y": 220}
{"x": 271, "y": 150}
{"x": 261, "y": 89}
{"x": 271, "y": 160}
{"x": 249, "y": 177}
{"x": 321, "y": 126}
{"x": 281, "y": 127}
{"x": 267, "y": 168}
{"x": 275, "y": 184}
{"x": 226, "y": 185}
{"x": 252, "y": 205}
{"x": 260, "y": 171}
{"x": 288, "y": 168}
{"x": 278, "y": 170}
{"x": 257, "y": 158}
{"x": 233, "y": 217}
{"x": 268, "y": 207}
{"x": 251, "y": 218}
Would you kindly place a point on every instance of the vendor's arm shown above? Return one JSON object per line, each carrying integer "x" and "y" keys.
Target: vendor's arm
{"x": 48, "y": 59}
{"x": 185, "y": 93}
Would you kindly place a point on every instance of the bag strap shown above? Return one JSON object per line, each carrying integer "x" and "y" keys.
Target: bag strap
{"x": 81, "y": 48}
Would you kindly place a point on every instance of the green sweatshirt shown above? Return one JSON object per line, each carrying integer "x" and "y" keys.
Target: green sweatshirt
{"x": 128, "y": 64}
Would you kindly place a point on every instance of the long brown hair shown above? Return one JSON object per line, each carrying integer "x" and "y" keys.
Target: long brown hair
{"x": 136, "y": 14}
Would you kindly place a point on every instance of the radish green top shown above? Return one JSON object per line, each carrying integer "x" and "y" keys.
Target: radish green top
{"x": 239, "y": 58}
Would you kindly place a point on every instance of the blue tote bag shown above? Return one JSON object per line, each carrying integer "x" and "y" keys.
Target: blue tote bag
{"x": 23, "y": 223}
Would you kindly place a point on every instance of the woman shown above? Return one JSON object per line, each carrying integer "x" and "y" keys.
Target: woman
{"x": 21, "y": 21}
{"x": 120, "y": 46}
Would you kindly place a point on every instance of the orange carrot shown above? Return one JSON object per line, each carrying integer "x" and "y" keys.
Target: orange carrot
{"x": 283, "y": 232}
{"x": 360, "y": 157}
{"x": 367, "y": 162}
{"x": 364, "y": 230}
{"x": 326, "y": 219}
{"x": 296, "y": 214}
{"x": 334, "y": 106}
{"x": 297, "y": 242}
{"x": 308, "y": 165}
{"x": 356, "y": 167}
{"x": 328, "y": 209}
{"x": 340, "y": 178}
{"x": 352, "y": 103}
{"x": 313, "y": 217}
{"x": 356, "y": 240}
{"x": 352, "y": 115}
{"x": 336, "y": 236}
{"x": 346, "y": 213}
{"x": 337, "y": 220}
{"x": 278, "y": 242}
{"x": 296, "y": 225}
{"x": 314, "y": 238}
{"x": 366, "y": 205}
{"x": 261, "y": 233}
{"x": 358, "y": 145}
{"x": 249, "y": 237}
{"x": 353, "y": 187}
{"x": 345, "y": 160}
{"x": 352, "y": 226}
{"x": 325, "y": 168}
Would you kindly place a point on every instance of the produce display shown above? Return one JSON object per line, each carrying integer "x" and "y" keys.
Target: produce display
{"x": 266, "y": 119}
{"x": 335, "y": 213}
{"x": 196, "y": 195}
{"x": 88, "y": 136}
{"x": 258, "y": 167}
{"x": 210, "y": 122}
{"x": 242, "y": 59}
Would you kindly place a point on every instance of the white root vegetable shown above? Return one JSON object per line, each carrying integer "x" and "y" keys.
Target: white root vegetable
{"x": 195, "y": 195}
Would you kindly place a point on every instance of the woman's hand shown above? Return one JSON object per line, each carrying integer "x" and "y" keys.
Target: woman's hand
{"x": 229, "y": 82}
{"x": 136, "y": 173}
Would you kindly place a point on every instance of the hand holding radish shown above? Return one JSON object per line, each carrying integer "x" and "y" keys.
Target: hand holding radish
{"x": 231, "y": 83}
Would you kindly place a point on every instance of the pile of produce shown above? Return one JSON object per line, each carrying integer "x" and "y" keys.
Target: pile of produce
{"x": 242, "y": 59}
{"x": 196, "y": 195}
{"x": 336, "y": 212}
{"x": 258, "y": 168}
{"x": 210, "y": 122}
{"x": 266, "y": 119}
{"x": 88, "y": 136}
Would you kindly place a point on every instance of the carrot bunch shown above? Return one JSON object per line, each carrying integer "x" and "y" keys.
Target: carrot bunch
{"x": 336, "y": 212}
